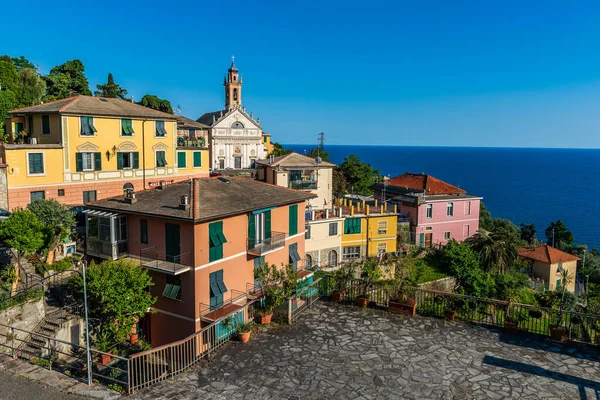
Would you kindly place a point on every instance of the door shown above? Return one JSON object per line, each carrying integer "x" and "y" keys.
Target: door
{"x": 258, "y": 261}
{"x": 172, "y": 250}
{"x": 75, "y": 335}
{"x": 422, "y": 240}
{"x": 237, "y": 162}
{"x": 428, "y": 239}
{"x": 221, "y": 164}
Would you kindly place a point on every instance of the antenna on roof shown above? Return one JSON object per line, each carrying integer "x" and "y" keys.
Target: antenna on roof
{"x": 132, "y": 99}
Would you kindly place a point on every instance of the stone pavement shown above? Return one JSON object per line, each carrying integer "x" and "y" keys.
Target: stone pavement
{"x": 341, "y": 352}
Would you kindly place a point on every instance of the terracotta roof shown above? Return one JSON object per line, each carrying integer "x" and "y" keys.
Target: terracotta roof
{"x": 101, "y": 106}
{"x": 183, "y": 122}
{"x": 215, "y": 198}
{"x": 426, "y": 183}
{"x": 547, "y": 254}
{"x": 294, "y": 160}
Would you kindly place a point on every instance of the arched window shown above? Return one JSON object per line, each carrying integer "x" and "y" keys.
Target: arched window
{"x": 234, "y": 94}
{"x": 333, "y": 258}
{"x": 237, "y": 125}
{"x": 308, "y": 261}
{"x": 128, "y": 186}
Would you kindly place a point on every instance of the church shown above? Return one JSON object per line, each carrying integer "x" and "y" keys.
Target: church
{"x": 235, "y": 139}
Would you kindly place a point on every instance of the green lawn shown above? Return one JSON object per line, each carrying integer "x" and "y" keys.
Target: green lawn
{"x": 429, "y": 269}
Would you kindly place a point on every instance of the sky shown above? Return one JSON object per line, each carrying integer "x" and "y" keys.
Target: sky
{"x": 419, "y": 73}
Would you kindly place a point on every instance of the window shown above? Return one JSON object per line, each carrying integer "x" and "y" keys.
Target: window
{"x": 446, "y": 235}
{"x": 237, "y": 162}
{"x": 382, "y": 227}
{"x": 61, "y": 192}
{"x": 181, "y": 159}
{"x": 88, "y": 196}
{"x": 237, "y": 125}
{"x": 466, "y": 230}
{"x": 197, "y": 159}
{"x": 36, "y": 163}
{"x": 128, "y": 160}
{"x": 160, "y": 158}
{"x": 294, "y": 256}
{"x": 293, "y": 219}
{"x": 173, "y": 287}
{"x": 37, "y": 195}
{"x": 560, "y": 267}
{"x": 450, "y": 209}
{"x": 191, "y": 133}
{"x": 467, "y": 208}
{"x": 351, "y": 252}
{"x": 429, "y": 209}
{"x": 126, "y": 127}
{"x": 381, "y": 248}
{"x": 264, "y": 139}
{"x": 144, "y": 231}
{"x": 120, "y": 228}
{"x": 45, "y": 124}
{"x": 235, "y": 95}
{"x": 87, "y": 126}
{"x": 333, "y": 229}
{"x": 160, "y": 129}
{"x": 19, "y": 126}
{"x": 332, "y": 258}
{"x": 216, "y": 240}
{"x": 308, "y": 261}
{"x": 104, "y": 229}
{"x": 352, "y": 225}
{"x": 307, "y": 232}
{"x": 217, "y": 289}
{"x": 428, "y": 228}
{"x": 88, "y": 161}
{"x": 259, "y": 227}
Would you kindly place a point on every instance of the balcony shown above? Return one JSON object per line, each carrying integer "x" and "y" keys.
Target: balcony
{"x": 105, "y": 249}
{"x": 151, "y": 259}
{"x": 258, "y": 247}
{"x": 303, "y": 185}
{"x": 183, "y": 141}
{"x": 235, "y": 301}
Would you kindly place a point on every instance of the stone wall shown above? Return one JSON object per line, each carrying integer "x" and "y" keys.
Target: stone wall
{"x": 442, "y": 285}
{"x": 25, "y": 317}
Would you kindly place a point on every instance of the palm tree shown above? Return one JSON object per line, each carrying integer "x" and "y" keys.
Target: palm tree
{"x": 497, "y": 249}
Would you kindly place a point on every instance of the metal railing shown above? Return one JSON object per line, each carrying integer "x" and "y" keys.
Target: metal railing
{"x": 101, "y": 248}
{"x": 259, "y": 247}
{"x": 155, "y": 365}
{"x": 303, "y": 185}
{"x": 151, "y": 258}
{"x": 235, "y": 297}
{"x": 194, "y": 142}
{"x": 306, "y": 295}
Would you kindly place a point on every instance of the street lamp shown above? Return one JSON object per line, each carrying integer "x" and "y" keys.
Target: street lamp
{"x": 87, "y": 326}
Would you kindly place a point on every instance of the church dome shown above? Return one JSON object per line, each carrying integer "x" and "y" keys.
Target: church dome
{"x": 233, "y": 68}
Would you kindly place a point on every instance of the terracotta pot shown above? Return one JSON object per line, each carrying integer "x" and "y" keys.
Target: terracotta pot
{"x": 263, "y": 319}
{"x": 336, "y": 296}
{"x": 558, "y": 332}
{"x": 510, "y": 327}
{"x": 105, "y": 358}
{"x": 133, "y": 338}
{"x": 244, "y": 336}
{"x": 362, "y": 301}
{"x": 399, "y": 308}
{"x": 450, "y": 314}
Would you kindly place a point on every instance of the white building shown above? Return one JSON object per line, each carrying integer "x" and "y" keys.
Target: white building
{"x": 235, "y": 138}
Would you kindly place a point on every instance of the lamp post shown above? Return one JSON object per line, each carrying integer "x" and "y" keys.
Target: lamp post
{"x": 87, "y": 326}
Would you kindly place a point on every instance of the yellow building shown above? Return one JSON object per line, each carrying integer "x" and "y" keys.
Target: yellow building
{"x": 85, "y": 148}
{"x": 547, "y": 265}
{"x": 369, "y": 230}
{"x": 266, "y": 138}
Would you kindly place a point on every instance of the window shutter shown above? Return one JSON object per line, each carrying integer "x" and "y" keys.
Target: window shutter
{"x": 136, "y": 160}
{"x": 181, "y": 159}
{"x": 98, "y": 161}
{"x": 91, "y": 125}
{"x": 251, "y": 230}
{"x": 119, "y": 160}
{"x": 197, "y": 159}
{"x": 293, "y": 219}
{"x": 268, "y": 224}
{"x": 78, "y": 161}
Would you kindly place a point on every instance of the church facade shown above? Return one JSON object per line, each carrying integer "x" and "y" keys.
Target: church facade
{"x": 235, "y": 138}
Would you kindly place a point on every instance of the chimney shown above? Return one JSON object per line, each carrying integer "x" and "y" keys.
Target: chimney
{"x": 130, "y": 196}
{"x": 184, "y": 203}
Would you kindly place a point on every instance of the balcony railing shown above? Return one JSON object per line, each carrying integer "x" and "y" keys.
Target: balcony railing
{"x": 234, "y": 300}
{"x": 171, "y": 264}
{"x": 303, "y": 185}
{"x": 191, "y": 142}
{"x": 105, "y": 249}
{"x": 259, "y": 247}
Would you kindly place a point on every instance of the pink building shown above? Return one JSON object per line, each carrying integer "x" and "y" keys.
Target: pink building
{"x": 435, "y": 210}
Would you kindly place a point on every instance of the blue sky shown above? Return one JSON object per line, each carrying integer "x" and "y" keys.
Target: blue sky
{"x": 439, "y": 73}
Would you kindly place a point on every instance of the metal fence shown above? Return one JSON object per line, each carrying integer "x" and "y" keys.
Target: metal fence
{"x": 306, "y": 294}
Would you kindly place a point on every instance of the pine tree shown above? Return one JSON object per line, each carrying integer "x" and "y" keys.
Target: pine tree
{"x": 110, "y": 89}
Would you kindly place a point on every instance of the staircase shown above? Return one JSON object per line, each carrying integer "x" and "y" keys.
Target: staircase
{"x": 421, "y": 253}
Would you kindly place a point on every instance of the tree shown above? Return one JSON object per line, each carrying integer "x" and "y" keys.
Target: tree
{"x": 67, "y": 80}
{"x": 559, "y": 236}
{"x": 497, "y": 250}
{"x": 485, "y": 218}
{"x": 22, "y": 232}
{"x": 340, "y": 185}
{"x": 152, "y": 101}
{"x": 110, "y": 89}
{"x": 278, "y": 150}
{"x": 9, "y": 77}
{"x": 313, "y": 153}
{"x": 117, "y": 295}
{"x": 21, "y": 63}
{"x": 57, "y": 220}
{"x": 461, "y": 261}
{"x": 31, "y": 88}
{"x": 359, "y": 175}
{"x": 528, "y": 233}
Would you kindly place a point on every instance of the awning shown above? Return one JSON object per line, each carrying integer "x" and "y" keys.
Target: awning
{"x": 262, "y": 210}
{"x": 103, "y": 214}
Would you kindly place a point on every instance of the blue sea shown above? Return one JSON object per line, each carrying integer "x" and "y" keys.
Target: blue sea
{"x": 523, "y": 185}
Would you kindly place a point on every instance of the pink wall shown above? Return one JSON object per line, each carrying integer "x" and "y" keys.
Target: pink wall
{"x": 441, "y": 223}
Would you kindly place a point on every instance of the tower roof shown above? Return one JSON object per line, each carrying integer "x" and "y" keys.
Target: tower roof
{"x": 233, "y": 68}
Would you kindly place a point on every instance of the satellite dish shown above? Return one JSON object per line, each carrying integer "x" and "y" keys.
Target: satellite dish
{"x": 319, "y": 160}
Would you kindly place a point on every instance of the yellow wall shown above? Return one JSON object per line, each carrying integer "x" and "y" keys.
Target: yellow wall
{"x": 373, "y": 237}
{"x": 17, "y": 166}
{"x": 548, "y": 272}
{"x": 189, "y": 164}
{"x": 267, "y": 143}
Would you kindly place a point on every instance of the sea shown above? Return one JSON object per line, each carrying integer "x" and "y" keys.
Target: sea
{"x": 524, "y": 185}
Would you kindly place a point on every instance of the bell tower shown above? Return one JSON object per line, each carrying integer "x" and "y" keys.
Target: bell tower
{"x": 233, "y": 87}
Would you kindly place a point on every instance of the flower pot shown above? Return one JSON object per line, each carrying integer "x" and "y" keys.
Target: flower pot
{"x": 105, "y": 358}
{"x": 510, "y": 327}
{"x": 336, "y": 296}
{"x": 557, "y": 332}
{"x": 450, "y": 314}
{"x": 244, "y": 336}
{"x": 263, "y": 319}
{"x": 133, "y": 338}
{"x": 362, "y": 301}
{"x": 400, "y": 308}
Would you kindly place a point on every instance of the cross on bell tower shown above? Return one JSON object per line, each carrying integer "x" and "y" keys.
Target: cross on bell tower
{"x": 233, "y": 87}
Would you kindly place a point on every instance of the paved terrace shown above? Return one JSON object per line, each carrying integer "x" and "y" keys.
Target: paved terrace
{"x": 340, "y": 352}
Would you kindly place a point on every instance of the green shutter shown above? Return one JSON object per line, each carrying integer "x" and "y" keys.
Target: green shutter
{"x": 78, "y": 162}
{"x": 136, "y": 160}
{"x": 181, "y": 159}
{"x": 91, "y": 124}
{"x": 197, "y": 159}
{"x": 251, "y": 230}
{"x": 215, "y": 241}
{"x": 119, "y": 160}
{"x": 98, "y": 161}
{"x": 268, "y": 224}
{"x": 293, "y": 219}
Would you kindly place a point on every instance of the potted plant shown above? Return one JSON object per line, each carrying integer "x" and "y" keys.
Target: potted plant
{"x": 370, "y": 272}
{"x": 244, "y": 330}
{"x": 401, "y": 289}
{"x": 450, "y": 303}
{"x": 103, "y": 342}
{"x": 512, "y": 318}
{"x": 275, "y": 286}
{"x": 557, "y": 330}
{"x": 341, "y": 279}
